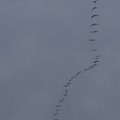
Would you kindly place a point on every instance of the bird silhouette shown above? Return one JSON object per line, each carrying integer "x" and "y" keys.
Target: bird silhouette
{"x": 70, "y": 79}
{"x": 65, "y": 85}
{"x": 65, "y": 91}
{"x": 62, "y": 100}
{"x": 92, "y": 39}
{"x": 94, "y": 31}
{"x": 97, "y": 56}
{"x": 94, "y": 8}
{"x": 57, "y": 110}
{"x": 96, "y": 61}
{"x": 93, "y": 49}
{"x": 85, "y": 69}
{"x": 94, "y": 24}
{"x": 55, "y": 114}
{"x": 94, "y": 16}
{"x": 78, "y": 73}
{"x": 95, "y": 1}
{"x": 94, "y": 64}
{"x": 68, "y": 83}
{"x": 66, "y": 94}
{"x": 58, "y": 105}
{"x": 75, "y": 76}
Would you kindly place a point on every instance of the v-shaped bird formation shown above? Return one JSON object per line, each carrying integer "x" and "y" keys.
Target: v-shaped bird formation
{"x": 95, "y": 61}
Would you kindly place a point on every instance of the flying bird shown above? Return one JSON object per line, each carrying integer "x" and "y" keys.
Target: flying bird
{"x": 93, "y": 49}
{"x": 57, "y": 110}
{"x": 65, "y": 85}
{"x": 68, "y": 83}
{"x": 92, "y": 40}
{"x": 94, "y": 16}
{"x": 97, "y": 56}
{"x": 70, "y": 80}
{"x": 65, "y": 91}
{"x": 94, "y": 8}
{"x": 78, "y": 73}
{"x": 96, "y": 61}
{"x": 94, "y": 64}
{"x": 85, "y": 69}
{"x": 55, "y": 114}
{"x": 75, "y": 76}
{"x": 66, "y": 94}
{"x": 90, "y": 67}
{"x": 58, "y": 105}
{"x": 62, "y": 100}
{"x": 95, "y": 1}
{"x": 94, "y": 31}
{"x": 94, "y": 24}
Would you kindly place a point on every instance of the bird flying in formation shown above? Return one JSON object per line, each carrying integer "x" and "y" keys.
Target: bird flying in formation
{"x": 55, "y": 114}
{"x": 65, "y": 85}
{"x": 96, "y": 61}
{"x": 66, "y": 94}
{"x": 57, "y": 110}
{"x": 97, "y": 56}
{"x": 94, "y": 16}
{"x": 93, "y": 49}
{"x": 94, "y": 8}
{"x": 95, "y": 1}
{"x": 94, "y": 31}
{"x": 94, "y": 24}
{"x": 62, "y": 100}
{"x": 58, "y": 105}
{"x": 65, "y": 91}
{"x": 91, "y": 39}
{"x": 70, "y": 80}
{"x": 68, "y": 83}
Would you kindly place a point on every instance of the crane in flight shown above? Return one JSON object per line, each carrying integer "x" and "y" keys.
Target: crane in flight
{"x": 55, "y": 114}
{"x": 94, "y": 24}
{"x": 58, "y": 106}
{"x": 93, "y": 49}
{"x": 66, "y": 94}
{"x": 95, "y": 1}
{"x": 62, "y": 100}
{"x": 94, "y": 8}
{"x": 94, "y": 16}
{"x": 65, "y": 91}
{"x": 65, "y": 85}
{"x": 97, "y": 57}
{"x": 94, "y": 31}
{"x": 96, "y": 61}
{"x": 57, "y": 110}
{"x": 71, "y": 79}
{"x": 68, "y": 83}
{"x": 92, "y": 40}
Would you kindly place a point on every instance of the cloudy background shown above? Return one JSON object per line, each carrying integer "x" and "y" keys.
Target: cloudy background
{"x": 45, "y": 42}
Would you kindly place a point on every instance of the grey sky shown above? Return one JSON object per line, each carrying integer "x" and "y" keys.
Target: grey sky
{"x": 45, "y": 42}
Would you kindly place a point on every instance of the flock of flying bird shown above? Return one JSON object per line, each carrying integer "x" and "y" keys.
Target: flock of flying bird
{"x": 69, "y": 82}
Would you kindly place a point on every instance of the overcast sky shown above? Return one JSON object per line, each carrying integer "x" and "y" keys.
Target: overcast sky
{"x": 45, "y": 42}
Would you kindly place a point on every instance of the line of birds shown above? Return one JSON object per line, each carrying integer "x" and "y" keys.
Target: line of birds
{"x": 69, "y": 82}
